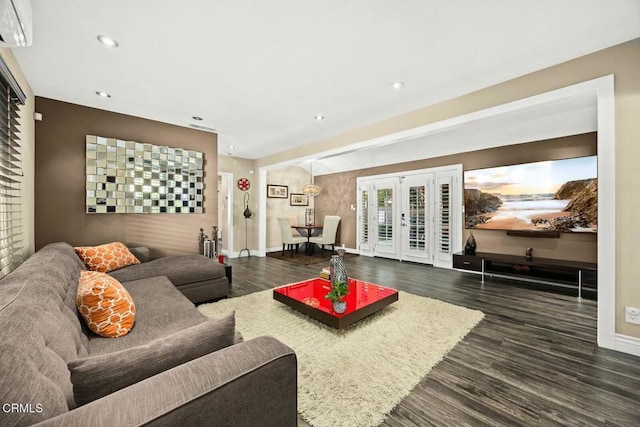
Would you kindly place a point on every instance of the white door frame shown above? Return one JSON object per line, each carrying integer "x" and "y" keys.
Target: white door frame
{"x": 390, "y": 251}
{"x": 229, "y": 220}
{"x": 406, "y": 253}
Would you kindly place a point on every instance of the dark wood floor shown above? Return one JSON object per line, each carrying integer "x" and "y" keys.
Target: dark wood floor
{"x": 532, "y": 361}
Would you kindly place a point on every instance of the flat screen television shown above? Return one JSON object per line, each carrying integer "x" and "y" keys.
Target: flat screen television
{"x": 551, "y": 196}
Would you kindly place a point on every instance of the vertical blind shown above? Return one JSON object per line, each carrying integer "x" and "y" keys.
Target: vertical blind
{"x": 12, "y": 250}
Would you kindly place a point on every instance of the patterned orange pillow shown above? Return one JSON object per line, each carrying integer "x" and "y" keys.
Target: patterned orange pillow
{"x": 106, "y": 258}
{"x": 105, "y": 304}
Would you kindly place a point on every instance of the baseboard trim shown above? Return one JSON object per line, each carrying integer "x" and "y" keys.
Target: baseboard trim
{"x": 347, "y": 250}
{"x": 236, "y": 254}
{"x": 350, "y": 250}
{"x": 627, "y": 344}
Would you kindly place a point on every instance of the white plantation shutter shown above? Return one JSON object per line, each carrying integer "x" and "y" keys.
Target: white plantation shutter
{"x": 364, "y": 217}
{"x": 417, "y": 218}
{"x": 444, "y": 215}
{"x": 12, "y": 251}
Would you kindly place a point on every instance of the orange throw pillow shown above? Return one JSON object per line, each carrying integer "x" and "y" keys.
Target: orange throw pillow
{"x": 105, "y": 304}
{"x": 106, "y": 258}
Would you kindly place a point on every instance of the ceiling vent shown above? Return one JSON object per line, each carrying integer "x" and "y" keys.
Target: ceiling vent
{"x": 15, "y": 23}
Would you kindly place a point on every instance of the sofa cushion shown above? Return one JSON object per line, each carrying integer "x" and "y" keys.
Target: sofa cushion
{"x": 161, "y": 310}
{"x": 107, "y": 257}
{"x": 180, "y": 269}
{"x": 98, "y": 376}
{"x": 105, "y": 304}
{"x": 140, "y": 252}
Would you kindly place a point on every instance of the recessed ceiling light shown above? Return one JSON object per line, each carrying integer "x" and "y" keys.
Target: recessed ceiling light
{"x": 103, "y": 94}
{"x": 397, "y": 85}
{"x": 197, "y": 118}
{"x": 107, "y": 41}
{"x": 319, "y": 117}
{"x": 231, "y": 147}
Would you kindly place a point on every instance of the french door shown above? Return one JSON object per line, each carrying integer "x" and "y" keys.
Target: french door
{"x": 410, "y": 216}
{"x": 415, "y": 215}
{"x": 386, "y": 218}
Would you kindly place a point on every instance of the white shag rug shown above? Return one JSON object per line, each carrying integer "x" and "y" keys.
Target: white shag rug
{"x": 356, "y": 376}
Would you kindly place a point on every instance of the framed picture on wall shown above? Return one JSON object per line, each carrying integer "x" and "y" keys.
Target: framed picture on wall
{"x": 298, "y": 199}
{"x": 277, "y": 191}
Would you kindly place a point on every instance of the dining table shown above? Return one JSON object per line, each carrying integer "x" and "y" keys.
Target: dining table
{"x": 308, "y": 231}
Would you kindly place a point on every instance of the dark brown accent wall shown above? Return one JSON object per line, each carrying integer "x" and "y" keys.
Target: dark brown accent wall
{"x": 60, "y": 181}
{"x": 339, "y": 192}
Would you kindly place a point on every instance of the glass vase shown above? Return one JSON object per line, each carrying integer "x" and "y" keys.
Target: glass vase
{"x": 337, "y": 271}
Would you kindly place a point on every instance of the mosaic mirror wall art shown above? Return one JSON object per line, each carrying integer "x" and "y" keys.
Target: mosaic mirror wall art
{"x": 132, "y": 177}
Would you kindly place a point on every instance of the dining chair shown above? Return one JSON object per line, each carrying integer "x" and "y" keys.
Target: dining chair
{"x": 286, "y": 232}
{"x": 328, "y": 236}
{"x": 293, "y": 219}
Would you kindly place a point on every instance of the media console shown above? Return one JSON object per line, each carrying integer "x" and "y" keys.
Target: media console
{"x": 570, "y": 275}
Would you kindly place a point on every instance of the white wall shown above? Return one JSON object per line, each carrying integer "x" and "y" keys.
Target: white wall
{"x": 295, "y": 178}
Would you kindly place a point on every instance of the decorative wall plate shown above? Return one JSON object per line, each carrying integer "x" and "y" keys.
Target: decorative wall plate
{"x": 244, "y": 184}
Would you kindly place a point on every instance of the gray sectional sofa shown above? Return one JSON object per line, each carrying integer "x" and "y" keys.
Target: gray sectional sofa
{"x": 199, "y": 278}
{"x": 44, "y": 345}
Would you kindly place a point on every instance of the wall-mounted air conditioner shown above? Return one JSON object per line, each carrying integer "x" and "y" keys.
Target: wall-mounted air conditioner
{"x": 15, "y": 23}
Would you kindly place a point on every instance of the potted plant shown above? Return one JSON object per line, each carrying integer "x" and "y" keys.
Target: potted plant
{"x": 338, "y": 291}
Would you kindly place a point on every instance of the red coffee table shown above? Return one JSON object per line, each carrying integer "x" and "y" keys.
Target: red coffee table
{"x": 308, "y": 297}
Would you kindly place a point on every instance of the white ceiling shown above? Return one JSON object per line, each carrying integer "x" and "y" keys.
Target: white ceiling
{"x": 259, "y": 71}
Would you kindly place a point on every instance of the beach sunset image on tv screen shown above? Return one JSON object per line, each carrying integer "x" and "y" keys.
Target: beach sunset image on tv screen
{"x": 555, "y": 195}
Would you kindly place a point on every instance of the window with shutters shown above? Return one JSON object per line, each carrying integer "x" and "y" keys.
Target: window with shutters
{"x": 417, "y": 217}
{"x": 444, "y": 214}
{"x": 12, "y": 250}
{"x": 385, "y": 216}
{"x": 364, "y": 217}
